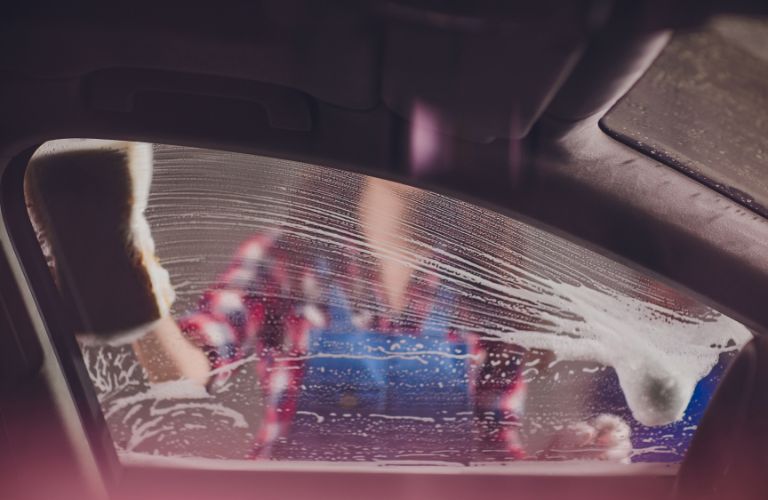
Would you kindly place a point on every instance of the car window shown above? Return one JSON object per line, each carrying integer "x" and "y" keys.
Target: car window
{"x": 346, "y": 318}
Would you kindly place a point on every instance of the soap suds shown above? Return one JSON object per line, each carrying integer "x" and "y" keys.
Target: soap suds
{"x": 521, "y": 285}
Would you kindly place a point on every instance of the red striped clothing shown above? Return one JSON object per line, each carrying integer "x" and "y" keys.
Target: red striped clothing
{"x": 271, "y": 296}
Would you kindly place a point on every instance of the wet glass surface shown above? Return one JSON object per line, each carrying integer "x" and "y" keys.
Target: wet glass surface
{"x": 429, "y": 330}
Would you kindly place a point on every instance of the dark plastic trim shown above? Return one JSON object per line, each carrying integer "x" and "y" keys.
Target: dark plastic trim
{"x": 57, "y": 321}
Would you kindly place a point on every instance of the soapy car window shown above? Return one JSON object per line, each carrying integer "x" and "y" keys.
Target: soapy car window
{"x": 351, "y": 319}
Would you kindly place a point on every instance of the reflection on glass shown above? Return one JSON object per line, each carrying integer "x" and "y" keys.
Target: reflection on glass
{"x": 341, "y": 317}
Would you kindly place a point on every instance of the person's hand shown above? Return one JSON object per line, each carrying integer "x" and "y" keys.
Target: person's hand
{"x": 166, "y": 355}
{"x": 604, "y": 437}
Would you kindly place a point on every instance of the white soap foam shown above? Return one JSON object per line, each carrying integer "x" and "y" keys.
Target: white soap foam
{"x": 140, "y": 169}
{"x": 658, "y": 360}
{"x": 176, "y": 389}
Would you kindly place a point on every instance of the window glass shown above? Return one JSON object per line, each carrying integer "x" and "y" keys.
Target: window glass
{"x": 345, "y": 318}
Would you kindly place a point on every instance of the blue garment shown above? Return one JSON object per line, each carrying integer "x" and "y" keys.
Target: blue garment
{"x": 366, "y": 393}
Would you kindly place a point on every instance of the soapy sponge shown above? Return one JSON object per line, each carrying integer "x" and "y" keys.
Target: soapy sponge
{"x": 87, "y": 200}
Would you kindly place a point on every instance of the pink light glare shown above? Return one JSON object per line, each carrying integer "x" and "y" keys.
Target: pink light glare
{"x": 424, "y": 139}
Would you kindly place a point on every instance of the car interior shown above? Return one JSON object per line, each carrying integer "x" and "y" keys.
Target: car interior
{"x": 590, "y": 174}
